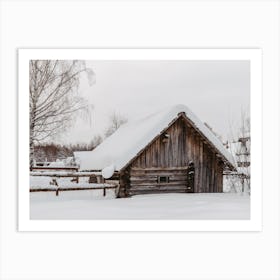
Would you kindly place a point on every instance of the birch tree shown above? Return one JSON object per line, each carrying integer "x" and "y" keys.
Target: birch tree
{"x": 53, "y": 97}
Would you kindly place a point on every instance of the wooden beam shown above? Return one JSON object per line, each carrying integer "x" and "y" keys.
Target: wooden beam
{"x": 159, "y": 168}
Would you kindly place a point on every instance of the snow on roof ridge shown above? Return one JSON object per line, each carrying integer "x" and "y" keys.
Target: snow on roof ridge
{"x": 123, "y": 145}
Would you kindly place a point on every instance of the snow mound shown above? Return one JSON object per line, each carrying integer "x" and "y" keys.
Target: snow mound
{"x": 79, "y": 205}
{"x": 108, "y": 171}
{"x": 57, "y": 164}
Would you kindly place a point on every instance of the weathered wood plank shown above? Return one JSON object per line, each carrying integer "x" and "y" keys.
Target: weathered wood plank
{"x": 156, "y": 191}
{"x": 178, "y": 177}
{"x": 154, "y": 179}
{"x": 159, "y": 168}
{"x": 145, "y": 177}
{"x": 58, "y": 175}
{"x": 175, "y": 183}
{"x": 144, "y": 182}
{"x": 156, "y": 187}
{"x": 200, "y": 180}
{"x": 71, "y": 189}
{"x": 154, "y": 174}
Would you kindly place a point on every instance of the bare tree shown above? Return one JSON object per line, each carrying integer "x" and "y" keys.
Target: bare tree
{"x": 53, "y": 98}
{"x": 116, "y": 120}
{"x": 97, "y": 139}
{"x": 243, "y": 152}
{"x": 240, "y": 147}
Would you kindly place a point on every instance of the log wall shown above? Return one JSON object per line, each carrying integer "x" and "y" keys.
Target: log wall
{"x": 169, "y": 156}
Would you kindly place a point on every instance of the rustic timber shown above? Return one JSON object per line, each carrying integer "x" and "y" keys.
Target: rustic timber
{"x": 169, "y": 157}
{"x": 49, "y": 168}
{"x": 57, "y": 190}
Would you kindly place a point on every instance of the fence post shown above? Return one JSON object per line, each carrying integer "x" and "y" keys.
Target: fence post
{"x": 56, "y": 192}
{"x": 104, "y": 191}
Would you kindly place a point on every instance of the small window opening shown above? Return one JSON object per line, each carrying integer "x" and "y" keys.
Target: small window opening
{"x": 163, "y": 179}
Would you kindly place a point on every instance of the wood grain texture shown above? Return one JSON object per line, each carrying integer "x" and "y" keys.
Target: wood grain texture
{"x": 170, "y": 157}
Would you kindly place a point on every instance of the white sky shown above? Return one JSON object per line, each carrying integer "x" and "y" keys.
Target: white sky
{"x": 216, "y": 91}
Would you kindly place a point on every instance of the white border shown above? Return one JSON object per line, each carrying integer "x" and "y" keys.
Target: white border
{"x": 254, "y": 224}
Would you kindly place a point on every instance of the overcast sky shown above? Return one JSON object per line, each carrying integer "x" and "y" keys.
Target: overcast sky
{"x": 216, "y": 91}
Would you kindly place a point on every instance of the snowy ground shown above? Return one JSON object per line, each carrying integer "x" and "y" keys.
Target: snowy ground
{"x": 90, "y": 204}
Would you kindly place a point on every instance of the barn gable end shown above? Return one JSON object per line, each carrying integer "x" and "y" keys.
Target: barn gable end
{"x": 163, "y": 164}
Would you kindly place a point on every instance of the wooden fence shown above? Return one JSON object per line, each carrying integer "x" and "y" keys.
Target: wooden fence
{"x": 75, "y": 176}
{"x": 59, "y": 189}
{"x": 50, "y": 168}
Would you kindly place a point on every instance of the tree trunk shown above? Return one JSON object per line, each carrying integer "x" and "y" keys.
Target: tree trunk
{"x": 31, "y": 155}
{"x": 31, "y": 136}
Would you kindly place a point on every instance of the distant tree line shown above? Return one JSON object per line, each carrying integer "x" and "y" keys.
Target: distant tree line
{"x": 52, "y": 151}
{"x": 48, "y": 152}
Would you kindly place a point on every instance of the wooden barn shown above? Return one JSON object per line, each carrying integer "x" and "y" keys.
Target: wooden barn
{"x": 169, "y": 151}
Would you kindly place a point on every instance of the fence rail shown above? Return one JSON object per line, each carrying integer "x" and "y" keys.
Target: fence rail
{"x": 57, "y": 190}
{"x": 42, "y": 168}
{"x": 75, "y": 175}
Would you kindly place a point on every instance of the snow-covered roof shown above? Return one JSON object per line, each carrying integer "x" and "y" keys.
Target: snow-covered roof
{"x": 123, "y": 145}
{"x": 81, "y": 157}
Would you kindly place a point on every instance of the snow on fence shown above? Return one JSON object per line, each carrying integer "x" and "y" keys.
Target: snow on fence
{"x": 59, "y": 181}
{"x": 54, "y": 168}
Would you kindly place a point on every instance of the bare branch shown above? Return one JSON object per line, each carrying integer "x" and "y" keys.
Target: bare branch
{"x": 53, "y": 103}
